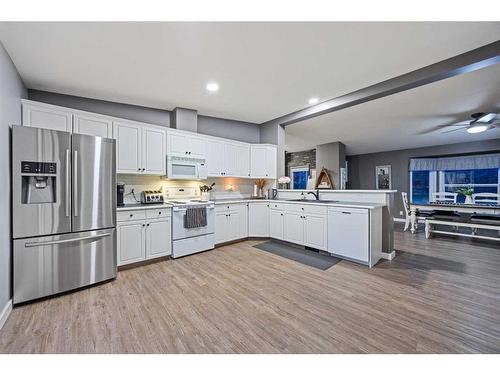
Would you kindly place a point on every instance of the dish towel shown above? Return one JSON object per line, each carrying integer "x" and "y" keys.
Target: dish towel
{"x": 195, "y": 217}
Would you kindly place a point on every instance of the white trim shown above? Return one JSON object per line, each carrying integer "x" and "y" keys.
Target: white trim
{"x": 401, "y": 220}
{"x": 388, "y": 256}
{"x": 5, "y": 313}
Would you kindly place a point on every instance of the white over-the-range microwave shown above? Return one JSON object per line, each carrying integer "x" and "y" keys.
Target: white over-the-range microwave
{"x": 186, "y": 168}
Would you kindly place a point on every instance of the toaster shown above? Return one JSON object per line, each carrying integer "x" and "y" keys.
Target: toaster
{"x": 151, "y": 196}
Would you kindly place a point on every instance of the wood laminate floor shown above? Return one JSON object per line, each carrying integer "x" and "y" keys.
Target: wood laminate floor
{"x": 438, "y": 296}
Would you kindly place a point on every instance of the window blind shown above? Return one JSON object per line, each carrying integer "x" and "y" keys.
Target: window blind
{"x": 485, "y": 161}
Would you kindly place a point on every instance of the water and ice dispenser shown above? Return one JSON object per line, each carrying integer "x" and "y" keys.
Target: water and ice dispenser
{"x": 38, "y": 182}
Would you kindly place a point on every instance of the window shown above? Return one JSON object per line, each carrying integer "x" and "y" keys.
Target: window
{"x": 481, "y": 180}
{"x": 423, "y": 183}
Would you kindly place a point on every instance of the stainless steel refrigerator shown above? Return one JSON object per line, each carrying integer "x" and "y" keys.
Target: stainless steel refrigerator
{"x": 63, "y": 211}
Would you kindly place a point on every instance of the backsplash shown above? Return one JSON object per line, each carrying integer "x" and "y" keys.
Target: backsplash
{"x": 224, "y": 188}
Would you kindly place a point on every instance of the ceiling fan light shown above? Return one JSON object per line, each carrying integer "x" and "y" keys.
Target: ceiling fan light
{"x": 474, "y": 129}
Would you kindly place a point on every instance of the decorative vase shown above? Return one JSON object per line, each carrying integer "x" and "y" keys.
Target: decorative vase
{"x": 468, "y": 199}
{"x": 205, "y": 196}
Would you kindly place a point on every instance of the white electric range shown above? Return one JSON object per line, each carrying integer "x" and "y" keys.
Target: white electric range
{"x": 186, "y": 241}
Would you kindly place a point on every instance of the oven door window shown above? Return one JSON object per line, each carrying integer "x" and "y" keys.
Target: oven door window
{"x": 183, "y": 170}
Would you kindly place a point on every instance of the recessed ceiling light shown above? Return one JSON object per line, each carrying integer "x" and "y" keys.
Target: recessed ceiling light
{"x": 212, "y": 87}
{"x": 313, "y": 100}
{"x": 473, "y": 129}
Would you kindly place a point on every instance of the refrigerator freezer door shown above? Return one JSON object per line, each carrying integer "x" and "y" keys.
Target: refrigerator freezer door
{"x": 52, "y": 264}
{"x": 94, "y": 183}
{"x": 40, "y": 182}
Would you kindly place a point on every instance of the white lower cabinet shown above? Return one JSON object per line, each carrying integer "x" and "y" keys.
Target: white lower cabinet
{"x": 294, "y": 227}
{"x": 315, "y": 231}
{"x": 158, "y": 238}
{"x": 231, "y": 222}
{"x": 131, "y": 245}
{"x": 276, "y": 224}
{"x": 148, "y": 238}
{"x": 258, "y": 219}
{"x": 303, "y": 225}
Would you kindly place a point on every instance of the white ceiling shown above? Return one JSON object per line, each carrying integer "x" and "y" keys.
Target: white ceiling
{"x": 265, "y": 70}
{"x": 399, "y": 121}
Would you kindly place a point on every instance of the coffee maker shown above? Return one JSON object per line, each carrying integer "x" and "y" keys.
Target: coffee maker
{"x": 120, "y": 192}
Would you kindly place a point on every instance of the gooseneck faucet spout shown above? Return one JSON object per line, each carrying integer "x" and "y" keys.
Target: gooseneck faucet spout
{"x": 316, "y": 195}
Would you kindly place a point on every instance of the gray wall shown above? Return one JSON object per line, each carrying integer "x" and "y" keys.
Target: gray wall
{"x": 231, "y": 129}
{"x": 126, "y": 111}
{"x": 273, "y": 133}
{"x": 362, "y": 167}
{"x": 332, "y": 157}
{"x": 11, "y": 91}
{"x": 237, "y": 130}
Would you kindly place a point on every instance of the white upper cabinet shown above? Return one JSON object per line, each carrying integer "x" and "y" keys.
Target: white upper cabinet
{"x": 40, "y": 115}
{"x": 198, "y": 147}
{"x": 215, "y": 159}
{"x": 177, "y": 144}
{"x": 128, "y": 147}
{"x": 263, "y": 160}
{"x": 185, "y": 144}
{"x": 237, "y": 159}
{"x": 92, "y": 125}
{"x": 153, "y": 150}
{"x": 140, "y": 148}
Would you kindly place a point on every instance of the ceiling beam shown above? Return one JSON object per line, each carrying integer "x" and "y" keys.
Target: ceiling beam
{"x": 464, "y": 63}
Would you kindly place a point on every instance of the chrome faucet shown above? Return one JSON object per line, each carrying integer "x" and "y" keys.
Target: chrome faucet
{"x": 316, "y": 195}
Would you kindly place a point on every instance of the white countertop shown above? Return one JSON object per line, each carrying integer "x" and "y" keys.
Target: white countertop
{"x": 368, "y": 205}
{"x": 138, "y": 206}
{"x": 339, "y": 191}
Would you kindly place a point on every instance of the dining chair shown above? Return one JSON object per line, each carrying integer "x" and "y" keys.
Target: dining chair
{"x": 444, "y": 196}
{"x": 486, "y": 198}
{"x": 420, "y": 214}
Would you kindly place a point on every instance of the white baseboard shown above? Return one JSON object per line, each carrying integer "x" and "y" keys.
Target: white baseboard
{"x": 5, "y": 313}
{"x": 388, "y": 256}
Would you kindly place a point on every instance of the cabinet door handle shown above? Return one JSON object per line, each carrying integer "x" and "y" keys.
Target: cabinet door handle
{"x": 346, "y": 212}
{"x": 147, "y": 224}
{"x": 143, "y": 225}
{"x": 159, "y": 212}
{"x": 131, "y": 215}
{"x": 138, "y": 169}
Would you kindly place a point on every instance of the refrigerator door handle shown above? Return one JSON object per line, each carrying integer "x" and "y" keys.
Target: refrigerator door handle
{"x": 68, "y": 184}
{"x": 75, "y": 183}
{"x": 56, "y": 242}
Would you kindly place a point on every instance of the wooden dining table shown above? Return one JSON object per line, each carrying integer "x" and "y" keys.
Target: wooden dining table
{"x": 477, "y": 208}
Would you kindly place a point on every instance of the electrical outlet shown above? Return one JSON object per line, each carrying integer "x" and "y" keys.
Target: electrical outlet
{"x": 400, "y": 213}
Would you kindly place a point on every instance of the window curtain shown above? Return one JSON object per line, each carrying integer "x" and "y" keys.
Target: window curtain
{"x": 485, "y": 161}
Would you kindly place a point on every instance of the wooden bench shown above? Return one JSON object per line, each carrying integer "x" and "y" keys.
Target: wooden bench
{"x": 474, "y": 226}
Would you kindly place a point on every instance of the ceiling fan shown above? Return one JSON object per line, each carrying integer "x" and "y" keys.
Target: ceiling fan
{"x": 480, "y": 122}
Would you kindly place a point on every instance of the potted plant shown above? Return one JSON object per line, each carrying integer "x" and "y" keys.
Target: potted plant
{"x": 283, "y": 181}
{"x": 205, "y": 191}
{"x": 467, "y": 192}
